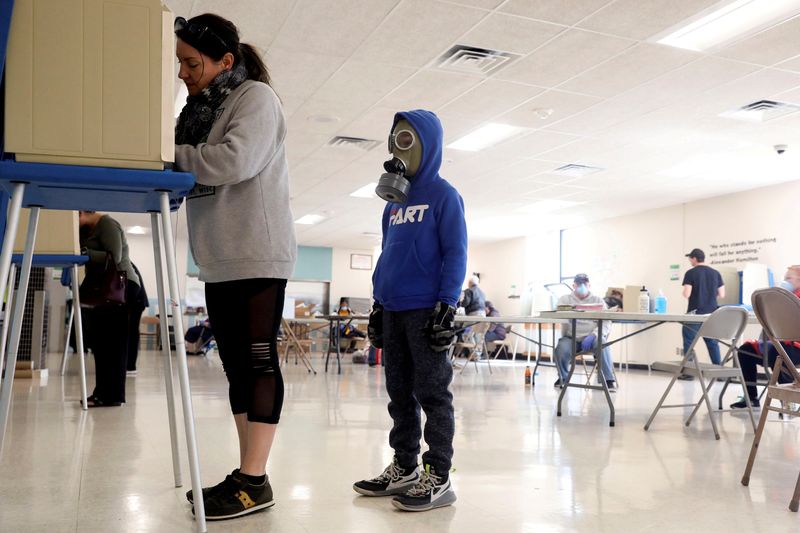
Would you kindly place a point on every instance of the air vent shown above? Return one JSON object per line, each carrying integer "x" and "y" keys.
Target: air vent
{"x": 574, "y": 170}
{"x": 471, "y": 60}
{"x": 353, "y": 142}
{"x": 761, "y": 111}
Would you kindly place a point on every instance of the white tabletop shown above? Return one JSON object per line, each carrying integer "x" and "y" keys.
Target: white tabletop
{"x": 635, "y": 317}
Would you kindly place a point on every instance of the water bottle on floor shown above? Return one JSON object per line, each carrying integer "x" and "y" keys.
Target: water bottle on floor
{"x": 528, "y": 377}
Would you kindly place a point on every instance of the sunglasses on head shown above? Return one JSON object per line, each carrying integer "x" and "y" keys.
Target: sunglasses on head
{"x": 200, "y": 36}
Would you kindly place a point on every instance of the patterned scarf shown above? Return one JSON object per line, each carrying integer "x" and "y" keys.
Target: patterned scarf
{"x": 200, "y": 111}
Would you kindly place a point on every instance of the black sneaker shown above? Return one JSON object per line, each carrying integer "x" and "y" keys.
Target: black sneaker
{"x": 430, "y": 492}
{"x": 741, "y": 404}
{"x": 207, "y": 491}
{"x": 557, "y": 383}
{"x": 686, "y": 377}
{"x": 612, "y": 386}
{"x": 394, "y": 480}
{"x": 237, "y": 497}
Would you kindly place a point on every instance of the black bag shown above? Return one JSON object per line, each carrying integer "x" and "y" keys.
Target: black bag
{"x": 103, "y": 285}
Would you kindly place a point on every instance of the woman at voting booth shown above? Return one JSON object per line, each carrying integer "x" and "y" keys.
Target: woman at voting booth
{"x": 231, "y": 135}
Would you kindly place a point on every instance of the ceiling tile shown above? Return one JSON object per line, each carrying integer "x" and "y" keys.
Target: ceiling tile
{"x": 373, "y": 124}
{"x": 422, "y": 19}
{"x": 182, "y": 8}
{"x": 769, "y": 47}
{"x": 566, "y": 12}
{"x": 299, "y": 74}
{"x": 633, "y": 67}
{"x": 258, "y": 21}
{"x": 510, "y": 34}
{"x": 483, "y": 4}
{"x": 429, "y": 89}
{"x": 548, "y": 108}
{"x": 566, "y": 56}
{"x": 362, "y": 84}
{"x": 642, "y": 19}
{"x": 491, "y": 98}
{"x": 330, "y": 28}
{"x": 533, "y": 144}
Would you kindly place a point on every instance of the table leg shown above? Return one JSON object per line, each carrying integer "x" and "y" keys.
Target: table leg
{"x": 16, "y": 321}
{"x": 66, "y": 343}
{"x": 573, "y": 322}
{"x": 12, "y": 221}
{"x": 538, "y": 355}
{"x": 183, "y": 369}
{"x": 7, "y": 317}
{"x": 330, "y": 344}
{"x": 166, "y": 356}
{"x": 598, "y": 361}
{"x": 338, "y": 349}
{"x": 79, "y": 348}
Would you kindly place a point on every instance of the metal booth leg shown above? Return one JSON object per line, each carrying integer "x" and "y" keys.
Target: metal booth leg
{"x": 19, "y": 309}
{"x": 12, "y": 220}
{"x": 183, "y": 369}
{"x": 76, "y": 311}
{"x": 7, "y": 318}
{"x": 66, "y": 342}
{"x": 165, "y": 350}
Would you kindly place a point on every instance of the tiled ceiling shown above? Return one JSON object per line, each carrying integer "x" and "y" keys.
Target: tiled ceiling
{"x": 589, "y": 83}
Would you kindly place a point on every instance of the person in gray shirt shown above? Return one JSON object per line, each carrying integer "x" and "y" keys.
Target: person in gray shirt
{"x": 585, "y": 334}
{"x": 232, "y": 136}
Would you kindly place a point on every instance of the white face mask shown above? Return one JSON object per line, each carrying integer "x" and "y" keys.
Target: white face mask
{"x": 786, "y": 284}
{"x": 582, "y": 290}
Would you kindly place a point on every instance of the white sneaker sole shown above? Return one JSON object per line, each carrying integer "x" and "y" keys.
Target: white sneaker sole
{"x": 444, "y": 501}
{"x": 253, "y": 509}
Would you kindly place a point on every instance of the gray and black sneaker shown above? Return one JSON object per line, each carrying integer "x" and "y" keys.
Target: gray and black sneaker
{"x": 430, "y": 492}
{"x": 237, "y": 497}
{"x": 394, "y": 480}
{"x": 207, "y": 491}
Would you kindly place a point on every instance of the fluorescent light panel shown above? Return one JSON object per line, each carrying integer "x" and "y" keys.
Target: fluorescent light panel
{"x": 728, "y": 21}
{"x": 367, "y": 191}
{"x": 486, "y": 136}
{"x": 309, "y": 219}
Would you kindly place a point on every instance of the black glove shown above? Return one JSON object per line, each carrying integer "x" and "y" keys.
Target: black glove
{"x": 375, "y": 327}
{"x": 441, "y": 329}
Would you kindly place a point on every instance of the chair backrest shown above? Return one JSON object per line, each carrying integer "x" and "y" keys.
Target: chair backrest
{"x": 778, "y": 311}
{"x": 725, "y": 324}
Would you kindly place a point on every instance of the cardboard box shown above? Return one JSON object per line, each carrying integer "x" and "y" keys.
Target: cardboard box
{"x": 630, "y": 298}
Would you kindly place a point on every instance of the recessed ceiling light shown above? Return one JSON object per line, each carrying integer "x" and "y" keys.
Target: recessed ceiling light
{"x": 136, "y": 230}
{"x": 309, "y": 219}
{"x": 323, "y": 119}
{"x": 726, "y": 22}
{"x": 548, "y": 206}
{"x": 367, "y": 191}
{"x": 486, "y": 136}
{"x": 543, "y": 112}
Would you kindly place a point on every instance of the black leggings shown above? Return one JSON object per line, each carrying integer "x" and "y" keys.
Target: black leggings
{"x": 245, "y": 316}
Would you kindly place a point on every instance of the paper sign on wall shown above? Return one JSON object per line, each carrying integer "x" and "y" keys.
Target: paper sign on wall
{"x": 674, "y": 272}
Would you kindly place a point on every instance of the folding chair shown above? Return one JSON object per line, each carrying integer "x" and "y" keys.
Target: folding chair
{"x": 500, "y": 346}
{"x": 778, "y": 311}
{"x": 478, "y": 332}
{"x": 726, "y": 325}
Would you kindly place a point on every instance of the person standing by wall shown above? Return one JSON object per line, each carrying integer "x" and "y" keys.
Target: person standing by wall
{"x": 137, "y": 307}
{"x": 232, "y": 136}
{"x": 702, "y": 285}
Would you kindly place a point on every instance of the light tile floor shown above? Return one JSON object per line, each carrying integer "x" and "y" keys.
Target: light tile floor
{"x": 518, "y": 467}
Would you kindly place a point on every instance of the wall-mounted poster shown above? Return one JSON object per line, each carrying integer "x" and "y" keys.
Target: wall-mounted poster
{"x": 360, "y": 262}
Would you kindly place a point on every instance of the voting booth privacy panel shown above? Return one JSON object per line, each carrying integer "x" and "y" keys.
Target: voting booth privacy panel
{"x": 91, "y": 82}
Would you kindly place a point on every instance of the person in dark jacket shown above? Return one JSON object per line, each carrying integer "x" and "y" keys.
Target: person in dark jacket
{"x": 496, "y": 332}
{"x": 137, "y": 307}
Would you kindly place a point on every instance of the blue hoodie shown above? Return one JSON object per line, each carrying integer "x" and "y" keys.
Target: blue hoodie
{"x": 424, "y": 247}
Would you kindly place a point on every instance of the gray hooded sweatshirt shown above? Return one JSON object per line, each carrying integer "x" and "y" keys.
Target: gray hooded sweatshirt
{"x": 240, "y": 222}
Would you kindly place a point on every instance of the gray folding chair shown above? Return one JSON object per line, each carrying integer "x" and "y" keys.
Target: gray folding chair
{"x": 726, "y": 325}
{"x": 778, "y": 310}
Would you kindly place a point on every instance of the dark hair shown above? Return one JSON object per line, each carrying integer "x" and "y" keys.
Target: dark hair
{"x": 227, "y": 32}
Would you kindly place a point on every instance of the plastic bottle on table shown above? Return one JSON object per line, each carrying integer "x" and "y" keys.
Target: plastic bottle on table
{"x": 644, "y": 301}
{"x": 528, "y": 377}
{"x": 661, "y": 303}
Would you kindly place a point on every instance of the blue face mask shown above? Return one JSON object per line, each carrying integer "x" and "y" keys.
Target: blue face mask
{"x": 786, "y": 284}
{"x": 582, "y": 290}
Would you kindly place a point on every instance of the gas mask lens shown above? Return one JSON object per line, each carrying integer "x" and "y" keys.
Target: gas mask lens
{"x": 402, "y": 140}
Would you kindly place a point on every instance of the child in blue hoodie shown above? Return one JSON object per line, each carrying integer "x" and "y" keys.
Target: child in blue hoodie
{"x": 417, "y": 282}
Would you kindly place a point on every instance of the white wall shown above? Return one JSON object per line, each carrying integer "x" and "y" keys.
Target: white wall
{"x": 638, "y": 249}
{"x": 349, "y": 282}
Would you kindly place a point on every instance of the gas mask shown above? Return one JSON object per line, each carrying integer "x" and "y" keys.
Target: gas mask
{"x": 406, "y": 149}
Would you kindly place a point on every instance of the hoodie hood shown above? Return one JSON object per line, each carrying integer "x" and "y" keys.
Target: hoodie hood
{"x": 430, "y": 132}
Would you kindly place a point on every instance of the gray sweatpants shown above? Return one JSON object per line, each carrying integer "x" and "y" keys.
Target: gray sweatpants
{"x": 417, "y": 377}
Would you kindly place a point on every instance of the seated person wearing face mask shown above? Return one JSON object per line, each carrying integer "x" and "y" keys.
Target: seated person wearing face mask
{"x": 751, "y": 353}
{"x": 586, "y": 335}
